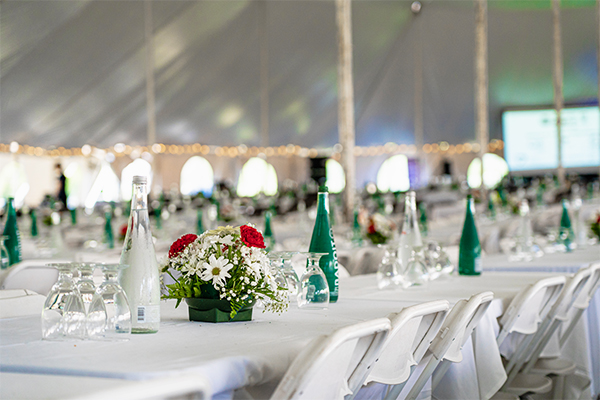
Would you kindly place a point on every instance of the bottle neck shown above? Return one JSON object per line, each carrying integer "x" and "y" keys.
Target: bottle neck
{"x": 139, "y": 198}
{"x": 410, "y": 212}
{"x": 323, "y": 203}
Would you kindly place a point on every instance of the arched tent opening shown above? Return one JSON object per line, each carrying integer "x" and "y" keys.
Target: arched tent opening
{"x": 336, "y": 178}
{"x": 13, "y": 183}
{"x": 105, "y": 186}
{"x": 197, "y": 176}
{"x": 257, "y": 176}
{"x": 494, "y": 169}
{"x": 136, "y": 167}
{"x": 393, "y": 174}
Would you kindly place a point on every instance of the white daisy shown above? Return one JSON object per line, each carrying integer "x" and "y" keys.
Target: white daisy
{"x": 216, "y": 269}
{"x": 227, "y": 240}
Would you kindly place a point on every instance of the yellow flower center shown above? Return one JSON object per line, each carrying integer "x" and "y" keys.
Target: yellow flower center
{"x": 216, "y": 271}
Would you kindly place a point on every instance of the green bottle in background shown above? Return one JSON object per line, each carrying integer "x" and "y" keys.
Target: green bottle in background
{"x": 268, "y": 233}
{"x": 357, "y": 239}
{"x": 109, "y": 237}
{"x": 73, "y": 212}
{"x": 491, "y": 206}
{"x": 34, "y": 226}
{"x": 13, "y": 242}
{"x": 423, "y": 218}
{"x": 158, "y": 217}
{"x": 322, "y": 242}
{"x": 566, "y": 234}
{"x": 469, "y": 256}
{"x": 199, "y": 225}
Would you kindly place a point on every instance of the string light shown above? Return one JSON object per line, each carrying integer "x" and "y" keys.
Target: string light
{"x": 120, "y": 150}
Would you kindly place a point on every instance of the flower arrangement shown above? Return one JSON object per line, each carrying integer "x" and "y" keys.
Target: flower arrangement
{"x": 226, "y": 263}
{"x": 595, "y": 226}
{"x": 379, "y": 229}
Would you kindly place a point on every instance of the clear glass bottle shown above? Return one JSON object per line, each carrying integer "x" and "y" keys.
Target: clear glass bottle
{"x": 410, "y": 236}
{"x": 141, "y": 281}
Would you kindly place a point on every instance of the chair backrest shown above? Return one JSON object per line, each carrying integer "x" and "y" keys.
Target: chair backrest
{"x": 186, "y": 386}
{"x": 31, "y": 274}
{"x": 529, "y": 307}
{"x": 20, "y": 302}
{"x": 335, "y": 365}
{"x": 557, "y": 315}
{"x": 459, "y": 325}
{"x": 413, "y": 330}
{"x": 582, "y": 301}
{"x": 448, "y": 343}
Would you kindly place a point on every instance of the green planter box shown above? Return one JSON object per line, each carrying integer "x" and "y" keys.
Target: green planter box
{"x": 215, "y": 310}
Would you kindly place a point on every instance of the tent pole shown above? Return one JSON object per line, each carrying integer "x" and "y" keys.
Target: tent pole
{"x": 481, "y": 80}
{"x": 418, "y": 73}
{"x": 150, "y": 93}
{"x": 558, "y": 83}
{"x": 264, "y": 74}
{"x": 150, "y": 107}
{"x": 598, "y": 56}
{"x": 346, "y": 100}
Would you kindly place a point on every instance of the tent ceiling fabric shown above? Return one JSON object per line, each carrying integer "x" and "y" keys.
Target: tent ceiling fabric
{"x": 72, "y": 72}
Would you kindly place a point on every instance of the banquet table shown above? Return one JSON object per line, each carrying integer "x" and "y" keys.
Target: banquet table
{"x": 257, "y": 353}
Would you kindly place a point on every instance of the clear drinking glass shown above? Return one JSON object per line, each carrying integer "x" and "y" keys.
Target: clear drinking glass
{"x": 109, "y": 316}
{"x": 3, "y": 253}
{"x": 283, "y": 261}
{"x": 85, "y": 283}
{"x": 314, "y": 290}
{"x": 388, "y": 275}
{"x": 415, "y": 273}
{"x": 63, "y": 316}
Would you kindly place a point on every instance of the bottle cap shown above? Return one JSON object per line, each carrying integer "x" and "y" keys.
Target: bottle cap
{"x": 139, "y": 179}
{"x": 323, "y": 189}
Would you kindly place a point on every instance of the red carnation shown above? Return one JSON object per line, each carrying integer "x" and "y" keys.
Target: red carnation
{"x": 180, "y": 244}
{"x": 123, "y": 230}
{"x": 252, "y": 237}
{"x": 371, "y": 229}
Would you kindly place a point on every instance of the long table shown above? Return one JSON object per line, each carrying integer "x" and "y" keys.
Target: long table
{"x": 246, "y": 354}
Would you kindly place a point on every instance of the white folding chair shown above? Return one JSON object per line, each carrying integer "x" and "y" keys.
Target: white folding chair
{"x": 523, "y": 315}
{"x": 20, "y": 302}
{"x": 581, "y": 285}
{"x": 31, "y": 274}
{"x": 335, "y": 365}
{"x": 413, "y": 330}
{"x": 447, "y": 345}
{"x": 187, "y": 386}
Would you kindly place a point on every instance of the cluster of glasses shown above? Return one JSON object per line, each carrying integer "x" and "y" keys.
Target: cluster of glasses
{"x": 422, "y": 266}
{"x": 311, "y": 290}
{"x": 76, "y": 309}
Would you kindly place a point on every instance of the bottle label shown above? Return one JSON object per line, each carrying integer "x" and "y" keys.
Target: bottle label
{"x": 477, "y": 264}
{"x": 148, "y": 314}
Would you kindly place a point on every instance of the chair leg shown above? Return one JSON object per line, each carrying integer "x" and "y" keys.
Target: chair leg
{"x": 395, "y": 390}
{"x": 559, "y": 387}
{"x": 425, "y": 375}
{"x": 439, "y": 374}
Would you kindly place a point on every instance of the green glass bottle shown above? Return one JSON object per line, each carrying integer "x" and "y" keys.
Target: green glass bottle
{"x": 491, "y": 207}
{"x": 423, "y": 218}
{"x": 158, "y": 217}
{"x": 322, "y": 242}
{"x": 13, "y": 242}
{"x": 73, "y": 212}
{"x": 357, "y": 238}
{"x": 199, "y": 225}
{"x": 109, "y": 237}
{"x": 268, "y": 233}
{"x": 566, "y": 234}
{"x": 469, "y": 256}
{"x": 34, "y": 225}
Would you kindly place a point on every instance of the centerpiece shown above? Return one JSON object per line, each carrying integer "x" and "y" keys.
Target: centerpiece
{"x": 379, "y": 229}
{"x": 222, "y": 273}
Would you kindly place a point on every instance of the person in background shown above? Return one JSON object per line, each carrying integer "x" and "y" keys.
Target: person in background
{"x": 61, "y": 193}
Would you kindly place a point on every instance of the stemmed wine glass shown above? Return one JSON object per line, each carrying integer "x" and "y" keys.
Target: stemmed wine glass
{"x": 85, "y": 283}
{"x": 109, "y": 316}
{"x": 63, "y": 316}
{"x": 314, "y": 290}
{"x": 283, "y": 261}
{"x": 388, "y": 271}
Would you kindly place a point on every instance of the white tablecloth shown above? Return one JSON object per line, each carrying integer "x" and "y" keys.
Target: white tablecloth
{"x": 243, "y": 354}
